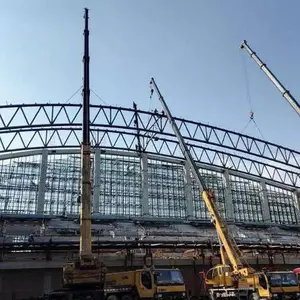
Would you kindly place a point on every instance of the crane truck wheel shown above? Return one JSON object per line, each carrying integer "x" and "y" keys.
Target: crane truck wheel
{"x": 254, "y": 296}
{"x": 112, "y": 297}
{"x": 127, "y": 297}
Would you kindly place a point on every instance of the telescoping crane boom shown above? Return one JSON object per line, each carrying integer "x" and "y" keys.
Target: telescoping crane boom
{"x": 84, "y": 278}
{"x": 87, "y": 270}
{"x": 207, "y": 195}
{"x": 285, "y": 93}
{"x": 240, "y": 276}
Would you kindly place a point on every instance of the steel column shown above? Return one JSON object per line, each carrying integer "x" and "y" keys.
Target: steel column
{"x": 42, "y": 182}
{"x": 229, "y": 210}
{"x": 96, "y": 190}
{"x": 188, "y": 191}
{"x": 145, "y": 185}
{"x": 265, "y": 203}
{"x": 296, "y": 195}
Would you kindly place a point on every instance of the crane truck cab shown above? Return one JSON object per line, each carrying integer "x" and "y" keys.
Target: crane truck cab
{"x": 221, "y": 282}
{"x": 284, "y": 284}
{"x": 147, "y": 283}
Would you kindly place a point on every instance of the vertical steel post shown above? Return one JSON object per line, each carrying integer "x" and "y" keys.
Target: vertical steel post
{"x": 296, "y": 196}
{"x": 138, "y": 135}
{"x": 229, "y": 209}
{"x": 42, "y": 182}
{"x": 265, "y": 203}
{"x": 145, "y": 185}
{"x": 97, "y": 181}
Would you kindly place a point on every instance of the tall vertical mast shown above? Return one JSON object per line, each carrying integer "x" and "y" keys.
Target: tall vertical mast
{"x": 88, "y": 269}
{"x": 85, "y": 211}
{"x": 86, "y": 83}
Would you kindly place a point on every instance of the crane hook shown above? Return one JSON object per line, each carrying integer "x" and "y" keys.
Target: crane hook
{"x": 251, "y": 115}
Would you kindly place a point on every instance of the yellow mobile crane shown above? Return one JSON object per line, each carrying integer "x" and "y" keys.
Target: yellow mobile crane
{"x": 283, "y": 284}
{"x": 237, "y": 280}
{"x": 87, "y": 270}
{"x": 85, "y": 277}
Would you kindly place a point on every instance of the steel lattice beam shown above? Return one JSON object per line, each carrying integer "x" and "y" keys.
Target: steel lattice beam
{"x": 36, "y": 126}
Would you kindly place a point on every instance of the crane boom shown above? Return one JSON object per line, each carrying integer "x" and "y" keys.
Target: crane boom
{"x": 227, "y": 241}
{"x": 85, "y": 211}
{"x": 87, "y": 269}
{"x": 285, "y": 93}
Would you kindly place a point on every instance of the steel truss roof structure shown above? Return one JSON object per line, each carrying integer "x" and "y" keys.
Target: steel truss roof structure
{"x": 35, "y": 126}
{"x": 139, "y": 173}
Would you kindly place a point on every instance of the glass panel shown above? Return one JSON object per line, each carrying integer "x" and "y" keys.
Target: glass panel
{"x": 146, "y": 280}
{"x": 167, "y": 277}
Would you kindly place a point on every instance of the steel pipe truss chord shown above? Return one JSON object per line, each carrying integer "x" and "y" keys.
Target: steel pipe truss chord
{"x": 61, "y": 123}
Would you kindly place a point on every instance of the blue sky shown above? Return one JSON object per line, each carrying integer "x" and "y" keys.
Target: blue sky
{"x": 190, "y": 47}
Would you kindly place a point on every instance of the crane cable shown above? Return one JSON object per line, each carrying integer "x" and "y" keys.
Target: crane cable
{"x": 249, "y": 99}
{"x": 248, "y": 94}
{"x": 99, "y": 97}
{"x": 73, "y": 95}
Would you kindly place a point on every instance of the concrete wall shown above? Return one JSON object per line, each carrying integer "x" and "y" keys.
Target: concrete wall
{"x": 18, "y": 284}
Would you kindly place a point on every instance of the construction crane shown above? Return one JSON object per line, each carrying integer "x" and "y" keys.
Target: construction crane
{"x": 87, "y": 270}
{"x": 284, "y": 92}
{"x": 86, "y": 275}
{"x": 239, "y": 280}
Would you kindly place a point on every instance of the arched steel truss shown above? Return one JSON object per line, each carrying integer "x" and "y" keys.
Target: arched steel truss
{"x": 36, "y": 126}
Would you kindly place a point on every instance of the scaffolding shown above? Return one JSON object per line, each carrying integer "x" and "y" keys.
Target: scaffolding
{"x": 246, "y": 198}
{"x": 19, "y": 181}
{"x": 120, "y": 189}
{"x": 62, "y": 187}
